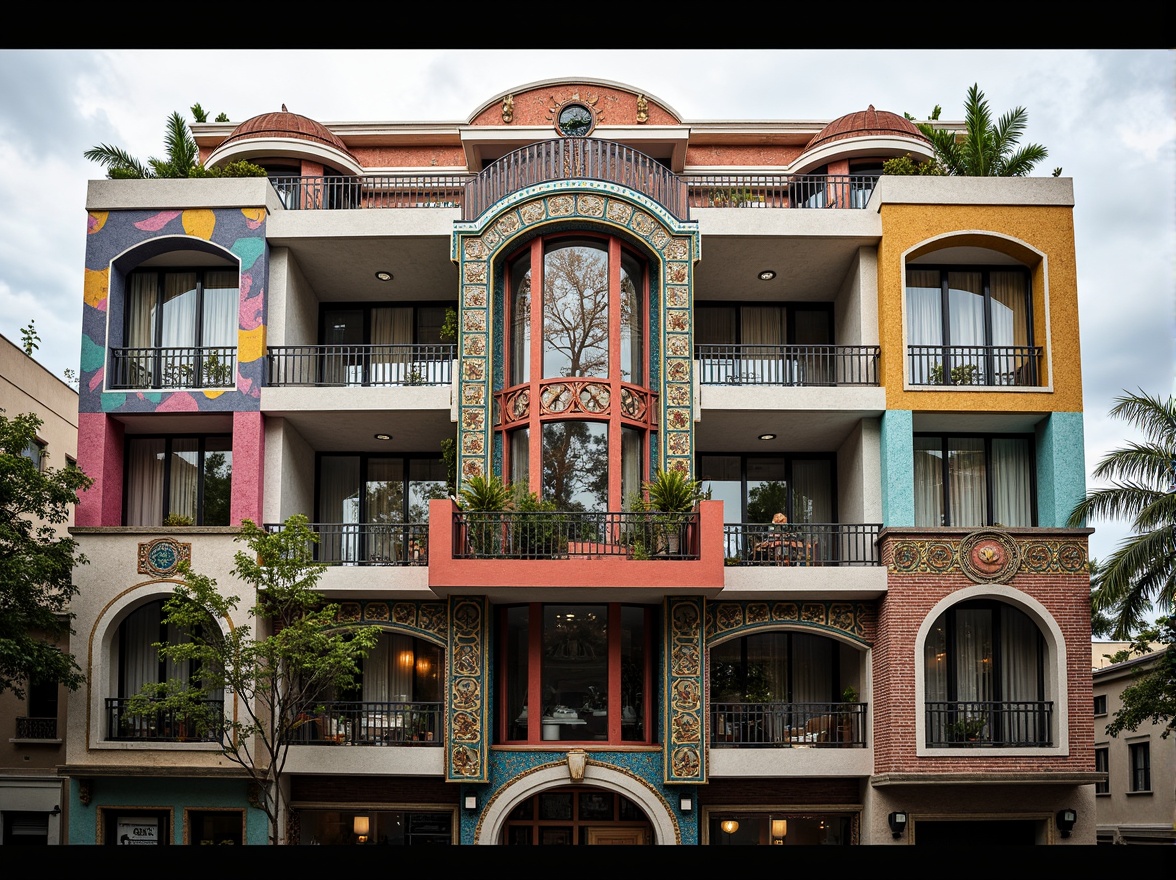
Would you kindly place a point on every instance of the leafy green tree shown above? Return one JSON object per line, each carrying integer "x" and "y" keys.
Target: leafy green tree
{"x": 987, "y": 149}
{"x": 29, "y": 338}
{"x": 279, "y": 676}
{"x": 1142, "y": 569}
{"x": 1152, "y": 696}
{"x": 36, "y": 563}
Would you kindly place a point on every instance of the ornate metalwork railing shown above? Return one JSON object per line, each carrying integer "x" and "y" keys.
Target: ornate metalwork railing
{"x": 367, "y": 723}
{"x": 163, "y": 725}
{"x": 822, "y": 544}
{"x": 973, "y": 723}
{"x": 370, "y": 365}
{"x": 209, "y": 367}
{"x": 786, "y": 725}
{"x": 368, "y": 543}
{"x": 787, "y": 364}
{"x": 1006, "y": 365}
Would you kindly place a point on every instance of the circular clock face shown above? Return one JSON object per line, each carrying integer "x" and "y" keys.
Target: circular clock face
{"x": 575, "y": 120}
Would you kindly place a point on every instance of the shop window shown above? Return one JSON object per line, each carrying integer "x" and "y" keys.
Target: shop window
{"x": 216, "y": 827}
{"x": 135, "y": 827}
{"x": 383, "y": 827}
{"x": 778, "y": 828}
{"x": 580, "y": 816}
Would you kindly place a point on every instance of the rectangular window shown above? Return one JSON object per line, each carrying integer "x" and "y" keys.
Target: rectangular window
{"x": 35, "y": 452}
{"x": 1102, "y": 764}
{"x": 1140, "y": 766}
{"x": 188, "y": 479}
{"x": 973, "y": 481}
{"x": 1100, "y": 705}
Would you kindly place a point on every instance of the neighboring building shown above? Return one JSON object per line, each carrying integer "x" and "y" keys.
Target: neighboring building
{"x": 32, "y": 730}
{"x": 890, "y": 364}
{"x": 1137, "y": 802}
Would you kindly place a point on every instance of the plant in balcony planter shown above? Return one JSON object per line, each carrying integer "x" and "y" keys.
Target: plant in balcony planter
{"x": 968, "y": 729}
{"x": 177, "y": 519}
{"x": 482, "y": 494}
{"x": 670, "y": 496}
{"x": 964, "y": 374}
{"x": 849, "y": 695}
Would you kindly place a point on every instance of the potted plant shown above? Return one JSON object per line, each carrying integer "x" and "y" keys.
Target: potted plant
{"x": 968, "y": 729}
{"x": 485, "y": 494}
{"x": 670, "y": 495}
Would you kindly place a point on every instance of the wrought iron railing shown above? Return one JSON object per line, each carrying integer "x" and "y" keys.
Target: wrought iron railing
{"x": 575, "y": 535}
{"x": 373, "y": 365}
{"x": 1008, "y": 365}
{"x": 785, "y": 725}
{"x": 821, "y": 544}
{"x": 787, "y": 364}
{"x": 367, "y": 723}
{"x": 781, "y": 190}
{"x": 36, "y": 728}
{"x": 337, "y": 192}
{"x": 163, "y": 725}
{"x": 971, "y": 723}
{"x": 368, "y": 543}
{"x": 208, "y": 367}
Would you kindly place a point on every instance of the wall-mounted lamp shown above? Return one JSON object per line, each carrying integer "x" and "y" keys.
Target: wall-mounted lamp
{"x": 384, "y": 275}
{"x": 1066, "y": 820}
{"x": 779, "y": 831}
{"x": 898, "y": 824}
{"x": 767, "y": 436}
{"x": 685, "y": 802}
{"x": 382, "y": 436}
{"x": 767, "y": 274}
{"x": 729, "y": 826}
{"x": 56, "y": 811}
{"x": 471, "y": 802}
{"x": 361, "y": 825}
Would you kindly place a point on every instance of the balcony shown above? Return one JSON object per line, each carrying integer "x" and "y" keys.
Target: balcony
{"x": 173, "y": 368}
{"x": 787, "y": 725}
{"x": 801, "y": 544}
{"x": 989, "y": 724}
{"x": 368, "y": 543}
{"x": 360, "y": 365}
{"x": 164, "y": 725}
{"x": 351, "y": 723}
{"x": 575, "y": 534}
{"x": 800, "y": 365}
{"x": 36, "y": 728}
{"x": 985, "y": 365}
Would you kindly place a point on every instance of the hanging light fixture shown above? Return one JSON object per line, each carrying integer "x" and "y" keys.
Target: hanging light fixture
{"x": 779, "y": 831}
{"x": 361, "y": 826}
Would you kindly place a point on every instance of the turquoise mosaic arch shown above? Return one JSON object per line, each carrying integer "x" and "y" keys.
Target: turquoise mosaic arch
{"x": 852, "y": 621}
{"x": 475, "y": 247}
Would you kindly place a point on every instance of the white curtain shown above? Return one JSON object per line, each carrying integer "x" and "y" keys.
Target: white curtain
{"x": 339, "y": 508}
{"x": 140, "y": 661}
{"x": 1010, "y": 324}
{"x": 924, "y": 315}
{"x": 973, "y": 654}
{"x": 185, "y": 477}
{"x": 928, "y": 482}
{"x": 967, "y": 481}
{"x": 631, "y": 464}
{"x": 375, "y": 671}
{"x": 763, "y": 326}
{"x": 179, "y": 309}
{"x": 220, "y": 309}
{"x": 144, "y": 499}
{"x": 141, "y": 302}
{"x": 1011, "y": 488}
{"x": 1019, "y": 655}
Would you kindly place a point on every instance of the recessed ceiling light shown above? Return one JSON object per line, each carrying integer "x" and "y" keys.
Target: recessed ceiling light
{"x": 767, "y": 436}
{"x": 383, "y": 436}
{"x": 767, "y": 274}
{"x": 384, "y": 276}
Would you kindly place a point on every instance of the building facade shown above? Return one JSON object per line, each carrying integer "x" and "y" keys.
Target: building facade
{"x": 872, "y": 630}
{"x": 32, "y": 747}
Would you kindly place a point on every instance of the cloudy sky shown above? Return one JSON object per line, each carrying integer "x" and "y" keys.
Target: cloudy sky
{"x": 1107, "y": 118}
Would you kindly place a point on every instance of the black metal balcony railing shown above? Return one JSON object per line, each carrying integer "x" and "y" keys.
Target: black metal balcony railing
{"x": 784, "y": 725}
{"x": 963, "y": 724}
{"x": 371, "y": 365}
{"x": 821, "y": 544}
{"x": 344, "y": 722}
{"x": 574, "y": 158}
{"x": 787, "y": 364}
{"x": 208, "y": 367}
{"x": 1011, "y": 365}
{"x": 36, "y": 728}
{"x": 368, "y": 543}
{"x": 160, "y": 726}
{"x": 574, "y": 534}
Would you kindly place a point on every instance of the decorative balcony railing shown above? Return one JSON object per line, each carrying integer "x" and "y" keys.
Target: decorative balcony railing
{"x": 972, "y": 723}
{"x": 36, "y": 728}
{"x": 164, "y": 725}
{"x": 785, "y": 725}
{"x": 575, "y": 535}
{"x": 345, "y": 722}
{"x": 368, "y": 543}
{"x": 208, "y": 367}
{"x": 361, "y": 365}
{"x": 573, "y": 158}
{"x": 821, "y": 544}
{"x": 1006, "y": 365}
{"x": 787, "y": 364}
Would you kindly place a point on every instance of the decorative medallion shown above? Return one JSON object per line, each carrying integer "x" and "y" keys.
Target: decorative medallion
{"x": 989, "y": 557}
{"x": 575, "y": 118}
{"x": 161, "y": 557}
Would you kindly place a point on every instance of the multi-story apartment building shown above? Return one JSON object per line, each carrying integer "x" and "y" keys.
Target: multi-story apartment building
{"x": 32, "y": 742}
{"x": 874, "y": 629}
{"x": 1136, "y": 803}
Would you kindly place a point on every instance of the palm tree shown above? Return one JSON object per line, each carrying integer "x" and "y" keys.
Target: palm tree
{"x": 1142, "y": 570}
{"x": 182, "y": 155}
{"x": 987, "y": 150}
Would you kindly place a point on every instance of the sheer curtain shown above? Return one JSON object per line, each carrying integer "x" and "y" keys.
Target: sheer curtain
{"x": 140, "y": 661}
{"x": 144, "y": 500}
{"x": 375, "y": 671}
{"x": 1012, "y": 495}
{"x": 1020, "y": 673}
{"x": 763, "y": 327}
{"x": 928, "y": 481}
{"x": 967, "y": 482}
{"x": 812, "y": 668}
{"x": 632, "y": 322}
{"x": 339, "y": 508}
{"x": 966, "y": 326}
{"x": 179, "y": 309}
{"x": 924, "y": 305}
{"x": 220, "y": 309}
{"x": 185, "y": 477}
{"x": 973, "y": 654}
{"x": 1010, "y": 324}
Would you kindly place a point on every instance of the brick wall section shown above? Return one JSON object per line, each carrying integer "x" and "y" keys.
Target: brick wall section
{"x": 908, "y": 602}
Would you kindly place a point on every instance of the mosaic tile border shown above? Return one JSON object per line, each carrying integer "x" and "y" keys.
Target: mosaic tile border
{"x": 684, "y": 754}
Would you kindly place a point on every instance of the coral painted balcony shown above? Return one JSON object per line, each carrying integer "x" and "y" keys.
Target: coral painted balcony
{"x": 512, "y": 549}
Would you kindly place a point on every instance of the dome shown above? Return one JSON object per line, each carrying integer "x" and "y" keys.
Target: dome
{"x": 285, "y": 124}
{"x": 867, "y": 123}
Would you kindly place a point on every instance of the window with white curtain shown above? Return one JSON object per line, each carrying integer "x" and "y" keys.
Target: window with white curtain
{"x": 139, "y": 660}
{"x": 189, "y": 477}
{"x": 973, "y": 481}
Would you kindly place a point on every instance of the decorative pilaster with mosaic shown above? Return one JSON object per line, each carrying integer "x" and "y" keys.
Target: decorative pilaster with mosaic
{"x": 675, "y": 246}
{"x": 467, "y": 721}
{"x": 685, "y": 721}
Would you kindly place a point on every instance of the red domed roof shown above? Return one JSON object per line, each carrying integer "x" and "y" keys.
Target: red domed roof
{"x": 865, "y": 123}
{"x": 285, "y": 124}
